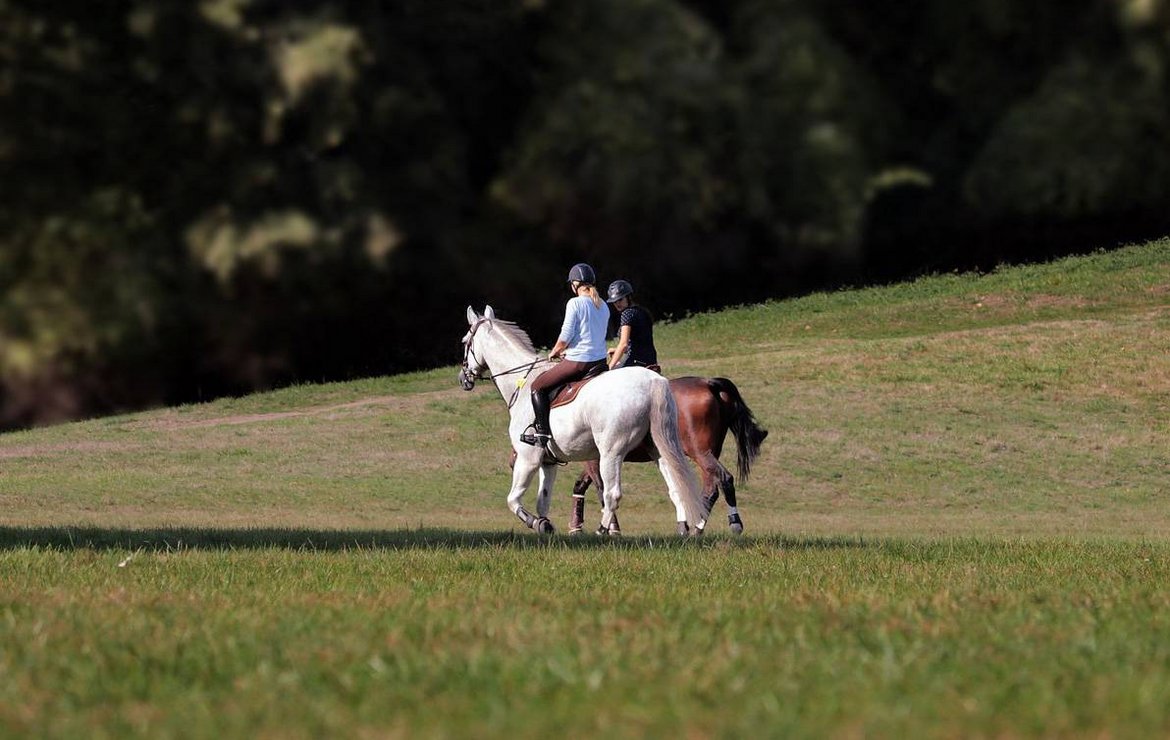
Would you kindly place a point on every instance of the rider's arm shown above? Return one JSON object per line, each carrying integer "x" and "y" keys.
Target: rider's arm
{"x": 558, "y": 349}
{"x": 570, "y": 330}
{"x": 619, "y": 352}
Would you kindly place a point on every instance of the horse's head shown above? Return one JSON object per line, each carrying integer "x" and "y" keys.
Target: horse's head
{"x": 473, "y": 361}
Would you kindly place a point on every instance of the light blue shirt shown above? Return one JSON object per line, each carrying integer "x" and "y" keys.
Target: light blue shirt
{"x": 584, "y": 329}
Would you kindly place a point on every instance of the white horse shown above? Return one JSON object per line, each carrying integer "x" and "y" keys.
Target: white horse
{"x": 610, "y": 416}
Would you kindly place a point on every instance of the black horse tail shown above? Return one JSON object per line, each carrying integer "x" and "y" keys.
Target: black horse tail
{"x": 749, "y": 435}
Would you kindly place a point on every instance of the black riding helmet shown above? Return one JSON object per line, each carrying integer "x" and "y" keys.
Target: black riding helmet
{"x": 582, "y": 273}
{"x": 618, "y": 290}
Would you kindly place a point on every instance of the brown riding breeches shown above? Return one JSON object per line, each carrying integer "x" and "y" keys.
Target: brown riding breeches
{"x": 562, "y": 373}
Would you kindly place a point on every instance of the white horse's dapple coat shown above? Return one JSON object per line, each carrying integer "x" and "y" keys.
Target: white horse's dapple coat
{"x": 609, "y": 417}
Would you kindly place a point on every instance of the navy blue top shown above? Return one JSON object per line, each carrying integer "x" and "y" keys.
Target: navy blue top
{"x": 642, "y": 350}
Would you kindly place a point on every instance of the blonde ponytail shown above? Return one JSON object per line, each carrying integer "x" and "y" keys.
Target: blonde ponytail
{"x": 595, "y": 296}
{"x": 589, "y": 289}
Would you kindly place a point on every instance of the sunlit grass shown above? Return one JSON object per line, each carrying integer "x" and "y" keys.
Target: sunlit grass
{"x": 957, "y": 527}
{"x": 455, "y": 636}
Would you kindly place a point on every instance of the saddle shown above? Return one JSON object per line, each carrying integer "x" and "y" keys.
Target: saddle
{"x": 564, "y": 394}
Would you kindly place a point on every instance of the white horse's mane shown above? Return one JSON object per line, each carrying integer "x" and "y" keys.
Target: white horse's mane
{"x": 515, "y": 335}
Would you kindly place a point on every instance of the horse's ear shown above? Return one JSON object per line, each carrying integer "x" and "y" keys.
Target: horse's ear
{"x": 472, "y": 316}
{"x": 489, "y": 313}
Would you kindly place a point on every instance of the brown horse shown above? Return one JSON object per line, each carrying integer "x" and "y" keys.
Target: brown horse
{"x": 707, "y": 409}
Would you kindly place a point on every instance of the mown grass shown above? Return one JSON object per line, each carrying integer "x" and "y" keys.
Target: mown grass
{"x": 958, "y": 527}
{"x": 483, "y": 635}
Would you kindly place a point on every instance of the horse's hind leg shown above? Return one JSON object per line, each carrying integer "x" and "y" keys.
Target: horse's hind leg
{"x": 614, "y": 527}
{"x": 727, "y": 483}
{"x": 591, "y": 474}
{"x": 610, "y": 487}
{"x": 716, "y": 478}
{"x": 712, "y": 476}
{"x": 680, "y": 513}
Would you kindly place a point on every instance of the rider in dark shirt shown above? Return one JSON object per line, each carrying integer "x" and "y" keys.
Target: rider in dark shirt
{"x": 635, "y": 329}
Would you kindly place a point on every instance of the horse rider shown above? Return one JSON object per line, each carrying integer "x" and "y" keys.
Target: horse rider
{"x": 581, "y": 343}
{"x": 636, "y": 330}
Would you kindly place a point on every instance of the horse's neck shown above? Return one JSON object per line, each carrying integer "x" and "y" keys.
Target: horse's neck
{"x": 501, "y": 357}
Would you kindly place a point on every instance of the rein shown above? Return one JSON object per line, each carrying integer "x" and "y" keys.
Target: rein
{"x": 528, "y": 366}
{"x": 516, "y": 393}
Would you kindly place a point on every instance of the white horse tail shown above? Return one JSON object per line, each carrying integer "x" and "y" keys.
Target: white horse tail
{"x": 664, "y": 432}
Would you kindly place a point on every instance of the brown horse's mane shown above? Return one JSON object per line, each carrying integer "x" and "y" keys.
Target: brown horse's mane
{"x": 515, "y": 334}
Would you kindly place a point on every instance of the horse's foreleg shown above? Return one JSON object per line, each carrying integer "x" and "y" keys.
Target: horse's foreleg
{"x": 522, "y": 474}
{"x": 548, "y": 476}
{"x": 577, "y": 515}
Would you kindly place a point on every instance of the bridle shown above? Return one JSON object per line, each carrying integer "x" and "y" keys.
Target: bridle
{"x": 467, "y": 378}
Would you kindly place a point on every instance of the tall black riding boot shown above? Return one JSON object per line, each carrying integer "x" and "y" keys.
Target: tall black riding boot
{"x": 540, "y": 430}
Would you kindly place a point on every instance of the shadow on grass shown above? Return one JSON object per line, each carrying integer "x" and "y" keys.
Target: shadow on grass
{"x": 326, "y": 540}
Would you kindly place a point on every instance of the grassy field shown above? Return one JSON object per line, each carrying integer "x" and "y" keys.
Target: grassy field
{"x": 959, "y": 526}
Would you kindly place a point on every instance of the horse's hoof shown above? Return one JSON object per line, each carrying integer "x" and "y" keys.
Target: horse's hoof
{"x": 544, "y": 526}
{"x": 575, "y": 531}
{"x": 602, "y": 530}
{"x": 735, "y": 523}
{"x": 683, "y": 529}
{"x": 615, "y": 532}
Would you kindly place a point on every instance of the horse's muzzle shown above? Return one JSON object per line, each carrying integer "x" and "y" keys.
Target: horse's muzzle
{"x": 467, "y": 380}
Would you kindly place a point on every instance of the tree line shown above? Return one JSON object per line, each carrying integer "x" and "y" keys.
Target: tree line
{"x": 209, "y": 198}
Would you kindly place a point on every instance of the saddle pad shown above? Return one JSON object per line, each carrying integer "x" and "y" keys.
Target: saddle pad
{"x": 565, "y": 394}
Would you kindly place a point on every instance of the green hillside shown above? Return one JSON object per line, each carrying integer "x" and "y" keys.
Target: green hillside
{"x": 957, "y": 528}
{"x": 1029, "y": 401}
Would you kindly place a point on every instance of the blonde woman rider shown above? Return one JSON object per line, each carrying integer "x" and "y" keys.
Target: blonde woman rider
{"x": 581, "y": 343}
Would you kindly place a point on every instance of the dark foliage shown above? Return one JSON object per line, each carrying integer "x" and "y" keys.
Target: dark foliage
{"x": 210, "y": 198}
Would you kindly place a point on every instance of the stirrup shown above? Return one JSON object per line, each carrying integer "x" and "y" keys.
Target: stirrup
{"x": 536, "y": 438}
